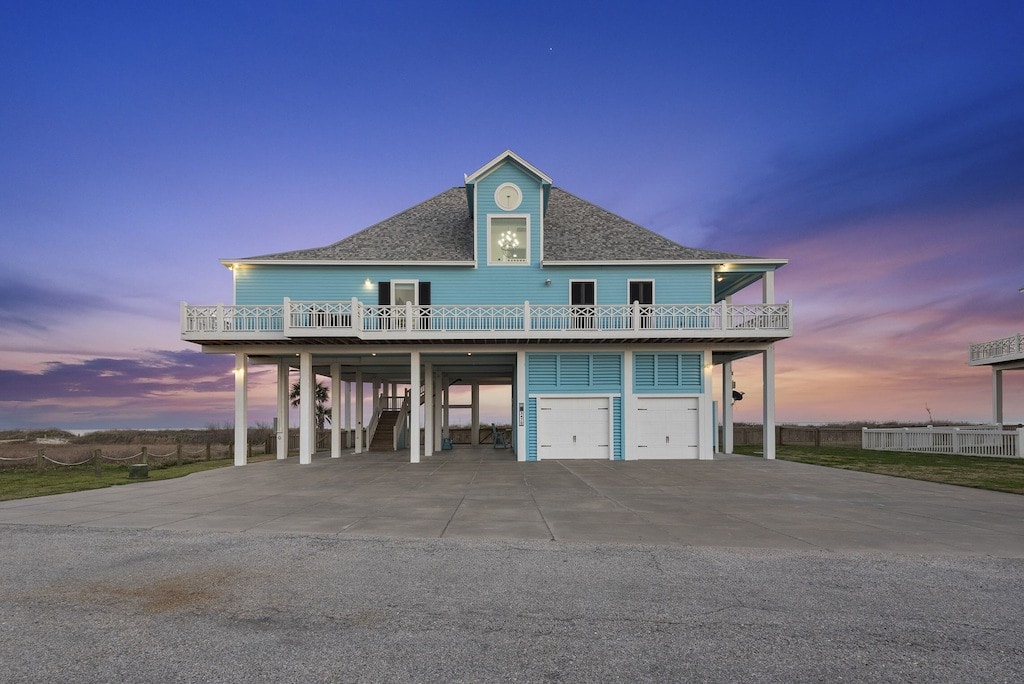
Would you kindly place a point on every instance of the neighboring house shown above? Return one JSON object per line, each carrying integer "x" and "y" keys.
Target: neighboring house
{"x": 606, "y": 332}
{"x": 1003, "y": 354}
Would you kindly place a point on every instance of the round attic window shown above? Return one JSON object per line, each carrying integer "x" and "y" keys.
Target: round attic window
{"x": 508, "y": 196}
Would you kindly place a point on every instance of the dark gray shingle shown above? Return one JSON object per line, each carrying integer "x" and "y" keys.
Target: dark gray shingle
{"x": 576, "y": 230}
{"x": 441, "y": 229}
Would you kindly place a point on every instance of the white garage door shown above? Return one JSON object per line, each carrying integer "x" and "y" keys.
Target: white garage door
{"x": 667, "y": 427}
{"x": 573, "y": 427}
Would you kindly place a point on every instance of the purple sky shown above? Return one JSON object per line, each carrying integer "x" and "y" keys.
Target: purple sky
{"x": 878, "y": 146}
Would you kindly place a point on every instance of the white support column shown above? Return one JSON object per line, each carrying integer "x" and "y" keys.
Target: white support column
{"x": 307, "y": 401}
{"x": 348, "y": 413}
{"x": 428, "y": 409}
{"x": 706, "y": 448}
{"x": 283, "y": 396}
{"x": 768, "y": 287}
{"x": 241, "y": 408}
{"x": 335, "y": 410}
{"x": 768, "y": 440}
{"x": 414, "y": 409}
{"x": 997, "y": 396}
{"x": 359, "y": 412}
{"x": 519, "y": 392}
{"x": 727, "y": 420}
{"x": 438, "y": 403}
{"x": 446, "y": 408}
{"x": 474, "y": 401}
{"x": 628, "y": 405}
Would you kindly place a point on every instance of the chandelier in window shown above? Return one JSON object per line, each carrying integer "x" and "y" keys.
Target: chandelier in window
{"x": 508, "y": 242}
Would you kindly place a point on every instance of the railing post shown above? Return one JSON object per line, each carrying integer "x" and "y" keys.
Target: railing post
{"x": 957, "y": 442}
{"x": 209, "y": 451}
{"x": 408, "y": 315}
{"x": 177, "y": 454}
{"x": 184, "y": 323}
{"x": 286, "y": 317}
{"x": 96, "y": 468}
{"x": 725, "y": 316}
{"x": 636, "y": 315}
{"x": 221, "y": 323}
{"x": 526, "y": 316}
{"x": 145, "y": 455}
{"x": 357, "y": 315}
{"x": 1020, "y": 441}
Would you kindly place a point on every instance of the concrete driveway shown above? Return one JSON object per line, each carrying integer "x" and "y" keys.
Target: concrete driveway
{"x": 733, "y": 501}
{"x": 474, "y": 568}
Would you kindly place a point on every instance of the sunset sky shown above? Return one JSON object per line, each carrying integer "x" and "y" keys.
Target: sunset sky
{"x": 877, "y": 146}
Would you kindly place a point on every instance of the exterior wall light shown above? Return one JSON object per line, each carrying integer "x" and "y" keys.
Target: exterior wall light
{"x": 548, "y": 281}
{"x": 368, "y": 284}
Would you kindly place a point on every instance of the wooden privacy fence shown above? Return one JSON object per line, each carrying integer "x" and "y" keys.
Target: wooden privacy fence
{"x": 796, "y": 435}
{"x": 966, "y": 441}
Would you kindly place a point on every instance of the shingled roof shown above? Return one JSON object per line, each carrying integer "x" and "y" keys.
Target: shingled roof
{"x": 576, "y": 230}
{"x": 441, "y": 230}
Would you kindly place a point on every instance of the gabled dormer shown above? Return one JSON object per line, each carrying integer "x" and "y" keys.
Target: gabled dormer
{"x": 508, "y": 198}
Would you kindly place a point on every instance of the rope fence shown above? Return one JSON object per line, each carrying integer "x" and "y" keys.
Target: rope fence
{"x": 178, "y": 456}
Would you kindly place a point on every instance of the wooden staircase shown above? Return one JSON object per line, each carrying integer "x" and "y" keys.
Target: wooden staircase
{"x": 383, "y": 438}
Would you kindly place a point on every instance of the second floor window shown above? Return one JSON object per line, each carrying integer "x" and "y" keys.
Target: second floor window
{"x": 508, "y": 240}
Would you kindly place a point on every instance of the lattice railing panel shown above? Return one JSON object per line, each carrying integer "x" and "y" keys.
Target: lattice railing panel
{"x": 313, "y": 315}
{"x": 758, "y": 316}
{"x": 252, "y": 318}
{"x": 200, "y": 319}
{"x": 997, "y": 349}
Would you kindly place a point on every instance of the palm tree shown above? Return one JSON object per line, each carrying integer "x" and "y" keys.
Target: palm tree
{"x": 320, "y": 394}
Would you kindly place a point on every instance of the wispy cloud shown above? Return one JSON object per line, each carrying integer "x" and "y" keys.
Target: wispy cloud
{"x": 29, "y": 303}
{"x": 157, "y": 374}
{"x": 964, "y": 158}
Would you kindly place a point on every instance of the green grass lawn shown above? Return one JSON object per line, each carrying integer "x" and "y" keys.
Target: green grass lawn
{"x": 999, "y": 474}
{"x": 21, "y": 483}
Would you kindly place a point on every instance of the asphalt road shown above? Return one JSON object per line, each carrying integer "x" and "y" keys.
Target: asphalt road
{"x": 129, "y": 605}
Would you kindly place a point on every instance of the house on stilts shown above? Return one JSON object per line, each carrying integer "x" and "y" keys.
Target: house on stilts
{"x": 607, "y": 333}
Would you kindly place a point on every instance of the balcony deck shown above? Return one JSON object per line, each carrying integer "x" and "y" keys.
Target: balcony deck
{"x": 355, "y": 322}
{"x": 1007, "y": 350}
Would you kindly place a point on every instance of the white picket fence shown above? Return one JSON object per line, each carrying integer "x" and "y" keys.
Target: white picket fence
{"x": 967, "y": 441}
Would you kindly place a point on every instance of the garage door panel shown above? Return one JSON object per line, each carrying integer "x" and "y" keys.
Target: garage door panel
{"x": 573, "y": 427}
{"x": 667, "y": 428}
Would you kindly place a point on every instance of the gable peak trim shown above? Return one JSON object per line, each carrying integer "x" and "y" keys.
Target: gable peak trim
{"x": 500, "y": 159}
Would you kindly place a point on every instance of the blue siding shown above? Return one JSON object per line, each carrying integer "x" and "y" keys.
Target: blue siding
{"x": 531, "y": 205}
{"x": 617, "y": 447}
{"x": 270, "y": 284}
{"x": 531, "y": 429}
{"x": 654, "y": 373}
{"x": 569, "y": 373}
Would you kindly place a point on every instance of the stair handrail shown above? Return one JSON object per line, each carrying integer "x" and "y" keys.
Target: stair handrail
{"x": 372, "y": 430}
{"x": 403, "y": 417}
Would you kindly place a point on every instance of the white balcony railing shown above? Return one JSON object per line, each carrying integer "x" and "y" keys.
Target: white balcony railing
{"x": 371, "y": 321}
{"x": 1006, "y": 349}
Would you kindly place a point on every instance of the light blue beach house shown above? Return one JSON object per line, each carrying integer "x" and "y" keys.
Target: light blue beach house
{"x": 606, "y": 333}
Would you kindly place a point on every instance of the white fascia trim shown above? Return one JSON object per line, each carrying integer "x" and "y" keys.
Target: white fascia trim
{"x": 507, "y": 154}
{"x": 778, "y": 263}
{"x": 335, "y": 262}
